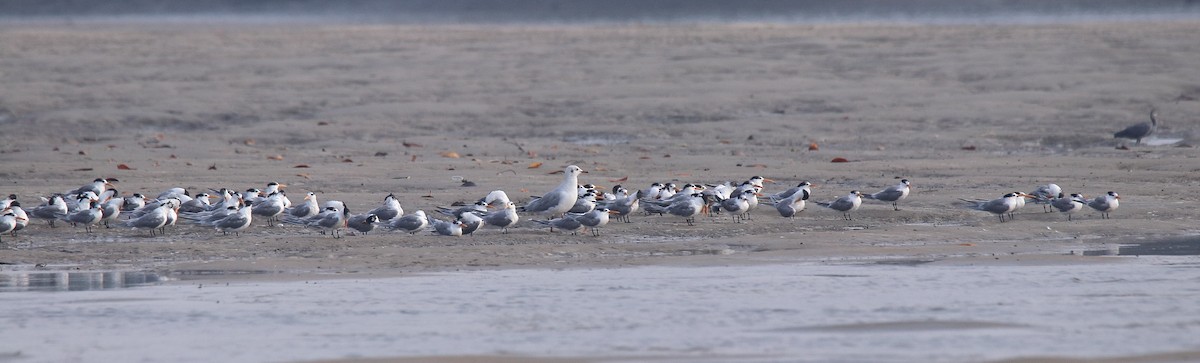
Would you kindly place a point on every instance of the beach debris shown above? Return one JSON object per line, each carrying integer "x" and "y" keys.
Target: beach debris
{"x": 969, "y": 147}
{"x": 411, "y": 144}
{"x": 1122, "y": 147}
{"x": 619, "y": 180}
{"x": 249, "y": 142}
{"x": 535, "y": 165}
{"x": 347, "y": 160}
{"x": 275, "y": 157}
{"x": 84, "y": 169}
{"x": 450, "y": 154}
{"x": 839, "y": 160}
{"x": 322, "y": 123}
{"x": 813, "y": 147}
{"x": 212, "y": 167}
{"x": 124, "y": 167}
{"x": 300, "y": 166}
{"x": 380, "y": 154}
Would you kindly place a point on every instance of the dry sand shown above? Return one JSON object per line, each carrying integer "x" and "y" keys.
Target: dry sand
{"x": 371, "y": 110}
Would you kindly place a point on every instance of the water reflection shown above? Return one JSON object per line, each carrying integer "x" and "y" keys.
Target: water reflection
{"x": 75, "y": 281}
{"x": 1178, "y": 246}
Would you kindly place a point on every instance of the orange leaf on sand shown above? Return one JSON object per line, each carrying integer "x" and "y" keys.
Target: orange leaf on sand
{"x": 813, "y": 147}
{"x": 275, "y": 157}
{"x": 450, "y": 154}
{"x": 839, "y": 160}
{"x": 535, "y": 165}
{"x": 124, "y": 167}
{"x": 248, "y": 142}
{"x": 618, "y": 180}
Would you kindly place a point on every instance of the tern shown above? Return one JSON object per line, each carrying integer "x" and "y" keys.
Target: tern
{"x": 411, "y": 223}
{"x": 504, "y": 217}
{"x": 1106, "y": 203}
{"x": 1069, "y": 205}
{"x": 892, "y": 194}
{"x": 390, "y": 208}
{"x": 846, "y": 204}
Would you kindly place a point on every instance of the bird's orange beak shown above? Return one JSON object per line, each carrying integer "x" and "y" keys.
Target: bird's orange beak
{"x": 768, "y": 180}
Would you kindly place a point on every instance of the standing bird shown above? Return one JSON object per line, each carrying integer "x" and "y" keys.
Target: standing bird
{"x": 1106, "y": 203}
{"x": 804, "y": 185}
{"x": 390, "y": 208}
{"x": 236, "y": 222}
{"x": 1139, "y": 131}
{"x": 503, "y": 218}
{"x": 86, "y": 216}
{"x": 332, "y": 220}
{"x": 129, "y": 204}
{"x": 54, "y": 208}
{"x": 738, "y": 204}
{"x": 271, "y": 207}
{"x": 97, "y": 186}
{"x": 198, "y": 204}
{"x": 1045, "y": 194}
{"x": 688, "y": 207}
{"x": 593, "y": 219}
{"x": 1069, "y": 205}
{"x": 625, "y": 204}
{"x": 152, "y": 220}
{"x": 1000, "y": 206}
{"x": 470, "y": 222}
{"x": 794, "y": 203}
{"x": 111, "y": 210}
{"x": 411, "y": 223}
{"x": 892, "y": 194}
{"x": 561, "y": 199}
{"x": 846, "y": 204}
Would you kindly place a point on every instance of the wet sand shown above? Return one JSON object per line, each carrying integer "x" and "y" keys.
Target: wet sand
{"x": 357, "y": 112}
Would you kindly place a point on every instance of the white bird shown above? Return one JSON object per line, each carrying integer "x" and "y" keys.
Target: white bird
{"x": 470, "y": 222}
{"x": 593, "y": 219}
{"x": 97, "y": 187}
{"x": 688, "y": 207}
{"x": 176, "y": 192}
{"x": 308, "y": 208}
{"x": 411, "y": 223}
{"x": 363, "y": 223}
{"x": 804, "y": 185}
{"x": 1069, "y": 205}
{"x": 129, "y": 204}
{"x": 271, "y": 207}
{"x": 791, "y": 205}
{"x": 477, "y": 207}
{"x": 505, "y": 217}
{"x": 446, "y": 228}
{"x": 152, "y": 220}
{"x": 738, "y": 204}
{"x": 8, "y": 222}
{"x": 111, "y": 210}
{"x": 585, "y": 203}
{"x": 892, "y": 194}
{"x": 390, "y": 208}
{"x": 22, "y": 217}
{"x": 236, "y": 222}
{"x": 624, "y": 204}
{"x": 846, "y": 204}
{"x": 332, "y": 220}
{"x": 86, "y": 216}
{"x": 564, "y": 224}
{"x": 999, "y": 206}
{"x": 496, "y": 197}
{"x": 1044, "y": 194}
{"x": 561, "y": 199}
{"x": 1106, "y": 203}
{"x": 273, "y": 187}
{"x": 54, "y": 208}
{"x": 198, "y": 204}
{"x": 4, "y": 203}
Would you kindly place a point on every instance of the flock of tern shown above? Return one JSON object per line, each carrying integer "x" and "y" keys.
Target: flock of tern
{"x": 569, "y": 207}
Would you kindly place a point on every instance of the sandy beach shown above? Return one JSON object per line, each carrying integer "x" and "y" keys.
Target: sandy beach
{"x": 355, "y": 112}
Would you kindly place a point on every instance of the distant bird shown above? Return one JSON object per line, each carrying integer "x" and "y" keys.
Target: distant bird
{"x": 999, "y": 206}
{"x": 504, "y": 217}
{"x": 1106, "y": 203}
{"x": 411, "y": 223}
{"x": 55, "y": 208}
{"x": 363, "y": 223}
{"x": 564, "y": 224}
{"x": 846, "y": 204}
{"x": 892, "y": 194}
{"x": 1139, "y": 131}
{"x": 561, "y": 198}
{"x": 593, "y": 219}
{"x": 1045, "y": 194}
{"x": 1069, "y": 205}
{"x": 390, "y": 208}
{"x": 8, "y": 222}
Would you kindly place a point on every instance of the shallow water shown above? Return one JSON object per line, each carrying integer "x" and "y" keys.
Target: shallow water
{"x": 786, "y": 312}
